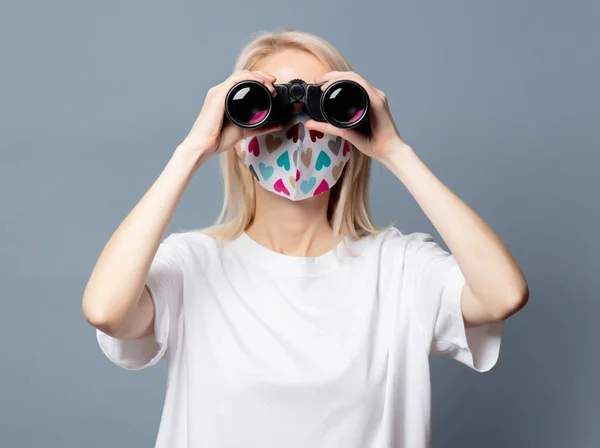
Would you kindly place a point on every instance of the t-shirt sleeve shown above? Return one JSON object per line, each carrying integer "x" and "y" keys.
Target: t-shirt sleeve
{"x": 436, "y": 283}
{"x": 165, "y": 283}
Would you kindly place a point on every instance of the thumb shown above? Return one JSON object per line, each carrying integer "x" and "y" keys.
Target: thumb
{"x": 252, "y": 132}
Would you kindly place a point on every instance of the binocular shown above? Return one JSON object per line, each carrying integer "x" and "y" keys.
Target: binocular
{"x": 344, "y": 104}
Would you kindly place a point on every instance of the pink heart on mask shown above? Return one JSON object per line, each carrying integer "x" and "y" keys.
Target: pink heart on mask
{"x": 280, "y": 187}
{"x": 253, "y": 147}
{"x": 315, "y": 135}
{"x": 346, "y": 148}
{"x": 323, "y": 186}
{"x": 296, "y": 132}
{"x": 297, "y": 175}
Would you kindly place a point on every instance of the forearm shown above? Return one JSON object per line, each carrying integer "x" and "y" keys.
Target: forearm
{"x": 491, "y": 273}
{"x": 118, "y": 278}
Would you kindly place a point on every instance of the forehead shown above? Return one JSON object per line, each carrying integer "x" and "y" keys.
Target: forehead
{"x": 288, "y": 64}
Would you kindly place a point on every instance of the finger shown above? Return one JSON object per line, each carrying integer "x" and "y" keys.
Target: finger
{"x": 346, "y": 75}
{"x": 263, "y": 78}
{"x": 270, "y": 80}
{"x": 266, "y": 75}
{"x": 247, "y": 75}
{"x": 330, "y": 81}
{"x": 375, "y": 95}
{"x": 327, "y": 76}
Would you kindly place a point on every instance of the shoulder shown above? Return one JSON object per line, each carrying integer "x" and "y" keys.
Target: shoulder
{"x": 392, "y": 243}
{"x": 393, "y": 237}
{"x": 388, "y": 242}
{"x": 192, "y": 240}
{"x": 194, "y": 244}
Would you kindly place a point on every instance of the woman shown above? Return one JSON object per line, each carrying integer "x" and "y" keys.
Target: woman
{"x": 294, "y": 321}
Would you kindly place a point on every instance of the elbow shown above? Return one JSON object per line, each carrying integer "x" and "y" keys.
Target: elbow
{"x": 99, "y": 317}
{"x": 521, "y": 298}
{"x": 514, "y": 302}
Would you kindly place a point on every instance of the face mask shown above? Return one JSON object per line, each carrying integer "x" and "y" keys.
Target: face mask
{"x": 296, "y": 162}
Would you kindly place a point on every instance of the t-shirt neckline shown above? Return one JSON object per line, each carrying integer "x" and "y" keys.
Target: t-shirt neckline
{"x": 293, "y": 265}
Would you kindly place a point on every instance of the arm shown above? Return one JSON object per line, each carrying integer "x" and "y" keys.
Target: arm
{"x": 115, "y": 299}
{"x": 495, "y": 286}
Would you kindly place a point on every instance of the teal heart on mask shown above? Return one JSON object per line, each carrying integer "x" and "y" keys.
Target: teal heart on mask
{"x": 307, "y": 185}
{"x": 284, "y": 161}
{"x": 322, "y": 160}
{"x": 266, "y": 171}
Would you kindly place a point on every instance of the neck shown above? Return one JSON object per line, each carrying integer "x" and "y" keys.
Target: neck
{"x": 297, "y": 228}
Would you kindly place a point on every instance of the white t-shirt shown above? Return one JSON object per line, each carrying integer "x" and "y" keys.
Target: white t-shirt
{"x": 270, "y": 350}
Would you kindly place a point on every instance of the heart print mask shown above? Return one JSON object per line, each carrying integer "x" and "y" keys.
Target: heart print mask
{"x": 296, "y": 162}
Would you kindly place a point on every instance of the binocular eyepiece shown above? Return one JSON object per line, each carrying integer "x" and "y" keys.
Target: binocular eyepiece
{"x": 344, "y": 104}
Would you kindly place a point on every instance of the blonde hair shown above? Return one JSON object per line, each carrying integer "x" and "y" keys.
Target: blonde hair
{"x": 348, "y": 209}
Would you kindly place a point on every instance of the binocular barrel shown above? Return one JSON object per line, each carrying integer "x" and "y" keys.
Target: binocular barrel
{"x": 344, "y": 104}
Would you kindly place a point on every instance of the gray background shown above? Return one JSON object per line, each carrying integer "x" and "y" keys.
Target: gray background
{"x": 500, "y": 99}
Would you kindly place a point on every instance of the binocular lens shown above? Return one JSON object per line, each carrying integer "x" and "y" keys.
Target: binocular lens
{"x": 345, "y": 102}
{"x": 249, "y": 103}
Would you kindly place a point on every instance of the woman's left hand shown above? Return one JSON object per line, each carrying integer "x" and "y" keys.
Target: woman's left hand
{"x": 384, "y": 136}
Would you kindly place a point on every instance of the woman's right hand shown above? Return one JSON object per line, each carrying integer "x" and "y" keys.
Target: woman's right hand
{"x": 212, "y": 132}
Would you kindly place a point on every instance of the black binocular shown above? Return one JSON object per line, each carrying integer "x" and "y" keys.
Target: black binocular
{"x": 344, "y": 104}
